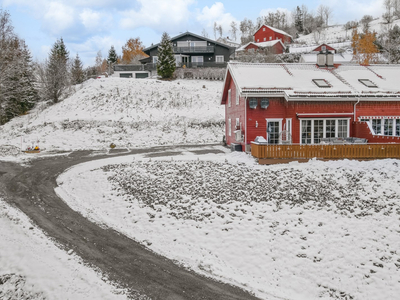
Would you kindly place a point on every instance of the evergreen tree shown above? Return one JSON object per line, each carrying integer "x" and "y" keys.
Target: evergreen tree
{"x": 55, "y": 73}
{"x": 18, "y": 93}
{"x": 77, "y": 74}
{"x": 112, "y": 56}
{"x": 166, "y": 64}
{"x": 298, "y": 20}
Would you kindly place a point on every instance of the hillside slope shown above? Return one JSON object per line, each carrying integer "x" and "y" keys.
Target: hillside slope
{"x": 127, "y": 112}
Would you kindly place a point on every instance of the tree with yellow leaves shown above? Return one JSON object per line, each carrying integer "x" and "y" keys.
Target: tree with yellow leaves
{"x": 132, "y": 51}
{"x": 365, "y": 51}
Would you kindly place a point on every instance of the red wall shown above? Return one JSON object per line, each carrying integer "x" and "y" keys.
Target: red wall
{"x": 260, "y": 35}
{"x": 319, "y": 48}
{"x": 275, "y": 49}
{"x": 233, "y": 112}
{"x": 279, "y": 108}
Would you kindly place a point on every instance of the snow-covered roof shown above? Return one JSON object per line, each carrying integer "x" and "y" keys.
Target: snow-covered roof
{"x": 262, "y": 45}
{"x": 339, "y": 58}
{"x": 274, "y": 29}
{"x": 296, "y": 81}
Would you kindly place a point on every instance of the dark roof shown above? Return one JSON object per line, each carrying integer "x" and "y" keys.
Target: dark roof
{"x": 194, "y": 35}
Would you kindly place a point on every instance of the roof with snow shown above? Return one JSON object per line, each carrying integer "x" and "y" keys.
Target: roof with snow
{"x": 262, "y": 45}
{"x": 339, "y": 58}
{"x": 303, "y": 81}
{"x": 274, "y": 29}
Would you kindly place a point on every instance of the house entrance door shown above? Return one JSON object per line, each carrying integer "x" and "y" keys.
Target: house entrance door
{"x": 273, "y": 129}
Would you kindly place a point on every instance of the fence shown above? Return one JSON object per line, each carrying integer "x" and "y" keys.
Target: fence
{"x": 350, "y": 151}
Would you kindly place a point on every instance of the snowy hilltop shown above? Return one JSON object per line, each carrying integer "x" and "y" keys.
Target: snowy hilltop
{"x": 127, "y": 112}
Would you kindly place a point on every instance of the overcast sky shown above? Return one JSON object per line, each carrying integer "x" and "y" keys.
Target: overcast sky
{"x": 88, "y": 26}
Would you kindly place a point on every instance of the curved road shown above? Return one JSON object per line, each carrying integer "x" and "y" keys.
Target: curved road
{"x": 124, "y": 261}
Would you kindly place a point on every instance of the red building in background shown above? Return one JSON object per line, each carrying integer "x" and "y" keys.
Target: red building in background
{"x": 267, "y": 33}
{"x": 273, "y": 47}
{"x": 306, "y": 103}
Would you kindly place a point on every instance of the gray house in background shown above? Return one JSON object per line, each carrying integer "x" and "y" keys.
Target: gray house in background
{"x": 192, "y": 50}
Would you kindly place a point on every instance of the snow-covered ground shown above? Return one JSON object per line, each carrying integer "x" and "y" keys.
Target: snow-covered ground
{"x": 32, "y": 267}
{"x": 327, "y": 230}
{"x": 127, "y": 112}
{"x": 336, "y": 34}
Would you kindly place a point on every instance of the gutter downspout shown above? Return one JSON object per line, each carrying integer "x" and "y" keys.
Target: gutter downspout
{"x": 245, "y": 123}
{"x": 354, "y": 113}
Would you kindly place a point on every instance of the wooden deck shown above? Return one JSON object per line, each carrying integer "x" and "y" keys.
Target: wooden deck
{"x": 336, "y": 151}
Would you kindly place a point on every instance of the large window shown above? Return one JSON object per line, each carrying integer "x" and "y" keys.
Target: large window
{"x": 313, "y": 130}
{"x": 397, "y": 126}
{"x": 390, "y": 127}
{"x": 198, "y": 60}
{"x": 219, "y": 58}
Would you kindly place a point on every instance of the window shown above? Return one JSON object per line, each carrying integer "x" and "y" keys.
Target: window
{"x": 155, "y": 59}
{"x": 318, "y": 131}
{"x": 323, "y": 48}
{"x": 306, "y": 131}
{"x": 264, "y": 29}
{"x": 253, "y": 103}
{"x": 229, "y": 127}
{"x": 377, "y": 126}
{"x": 288, "y": 129}
{"x": 270, "y": 38}
{"x": 313, "y": 130}
{"x": 219, "y": 58}
{"x": 342, "y": 128}
{"x": 265, "y": 39}
{"x": 397, "y": 127}
{"x": 330, "y": 128}
{"x": 237, "y": 125}
{"x": 264, "y": 103}
{"x": 229, "y": 98}
{"x": 368, "y": 83}
{"x": 386, "y": 126}
{"x": 273, "y": 130}
{"x": 322, "y": 83}
{"x": 178, "y": 60}
{"x": 197, "y": 60}
{"x": 237, "y": 96}
{"x": 258, "y": 40}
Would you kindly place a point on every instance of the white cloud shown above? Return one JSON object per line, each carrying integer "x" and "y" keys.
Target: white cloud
{"x": 58, "y": 17}
{"x": 216, "y": 13}
{"x": 157, "y": 14}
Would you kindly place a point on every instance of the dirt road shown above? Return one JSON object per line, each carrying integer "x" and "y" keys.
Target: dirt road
{"x": 122, "y": 260}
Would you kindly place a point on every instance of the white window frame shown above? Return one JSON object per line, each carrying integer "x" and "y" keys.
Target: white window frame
{"x": 196, "y": 59}
{"x": 288, "y": 128}
{"x": 265, "y": 39}
{"x": 273, "y": 120}
{"x": 229, "y": 98}
{"x": 258, "y": 40}
{"x": 383, "y": 127}
{"x": 229, "y": 127}
{"x": 219, "y": 57}
{"x": 264, "y": 29}
{"x": 324, "y": 126}
{"x": 237, "y": 123}
{"x": 270, "y": 38}
{"x": 237, "y": 96}
{"x": 155, "y": 59}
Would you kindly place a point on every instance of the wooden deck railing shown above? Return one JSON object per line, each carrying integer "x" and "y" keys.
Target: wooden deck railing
{"x": 351, "y": 151}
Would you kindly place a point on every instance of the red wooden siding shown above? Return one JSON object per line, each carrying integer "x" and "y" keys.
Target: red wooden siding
{"x": 319, "y": 48}
{"x": 275, "y": 49}
{"x": 269, "y": 35}
{"x": 233, "y": 112}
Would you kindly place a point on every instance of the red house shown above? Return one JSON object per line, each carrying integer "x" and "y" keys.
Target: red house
{"x": 305, "y": 103}
{"x": 267, "y": 33}
{"x": 324, "y": 47}
{"x": 273, "y": 47}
